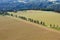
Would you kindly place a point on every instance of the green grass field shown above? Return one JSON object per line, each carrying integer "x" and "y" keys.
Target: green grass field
{"x": 45, "y": 16}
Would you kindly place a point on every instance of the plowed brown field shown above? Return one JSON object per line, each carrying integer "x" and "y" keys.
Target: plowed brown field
{"x": 11, "y": 29}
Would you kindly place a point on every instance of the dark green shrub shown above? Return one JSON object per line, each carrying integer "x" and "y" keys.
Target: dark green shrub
{"x": 11, "y": 14}
{"x": 50, "y": 25}
{"x": 29, "y": 19}
{"x": 24, "y": 18}
{"x": 37, "y": 22}
{"x": 41, "y": 22}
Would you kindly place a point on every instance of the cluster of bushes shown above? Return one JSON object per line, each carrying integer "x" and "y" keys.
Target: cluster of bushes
{"x": 55, "y": 26}
{"x": 24, "y": 18}
{"x": 29, "y": 19}
{"x": 36, "y": 21}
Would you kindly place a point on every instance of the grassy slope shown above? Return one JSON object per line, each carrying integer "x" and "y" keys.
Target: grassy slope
{"x": 47, "y": 17}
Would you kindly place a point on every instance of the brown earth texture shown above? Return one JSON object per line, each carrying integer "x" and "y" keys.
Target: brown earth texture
{"x": 11, "y": 29}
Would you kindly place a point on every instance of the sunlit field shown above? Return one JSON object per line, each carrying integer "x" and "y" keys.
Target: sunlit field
{"x": 14, "y": 29}
{"x": 46, "y": 16}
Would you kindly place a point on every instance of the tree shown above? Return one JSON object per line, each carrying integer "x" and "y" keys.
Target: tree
{"x": 44, "y": 23}
{"x": 41, "y": 22}
{"x": 11, "y": 14}
{"x": 37, "y": 22}
{"x": 50, "y": 25}
{"x": 29, "y": 19}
